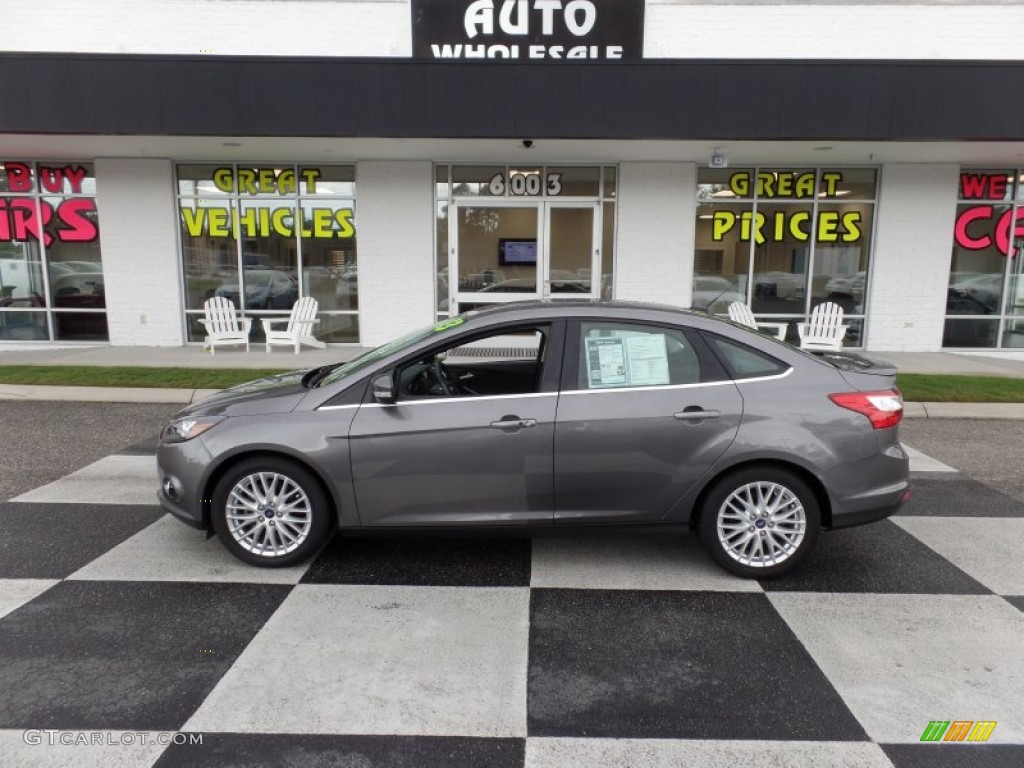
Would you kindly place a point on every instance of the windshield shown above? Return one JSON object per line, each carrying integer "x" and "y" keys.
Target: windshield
{"x": 368, "y": 358}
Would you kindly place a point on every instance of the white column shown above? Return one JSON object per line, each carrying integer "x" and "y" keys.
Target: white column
{"x": 655, "y": 240}
{"x": 395, "y": 231}
{"x": 910, "y": 263}
{"x": 139, "y": 247}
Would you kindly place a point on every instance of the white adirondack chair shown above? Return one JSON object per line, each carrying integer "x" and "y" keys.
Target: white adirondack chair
{"x": 740, "y": 313}
{"x": 223, "y": 325}
{"x": 825, "y": 330}
{"x": 300, "y": 326}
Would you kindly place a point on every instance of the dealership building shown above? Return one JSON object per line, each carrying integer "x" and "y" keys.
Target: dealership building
{"x": 402, "y": 161}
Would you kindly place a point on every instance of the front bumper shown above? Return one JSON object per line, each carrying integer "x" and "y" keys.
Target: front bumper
{"x": 181, "y": 474}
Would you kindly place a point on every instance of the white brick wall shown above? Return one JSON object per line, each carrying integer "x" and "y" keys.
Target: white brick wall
{"x": 932, "y": 29}
{"x": 219, "y": 27}
{"x": 138, "y": 241}
{"x": 838, "y": 30}
{"x": 654, "y": 247}
{"x": 395, "y": 230}
{"x": 910, "y": 264}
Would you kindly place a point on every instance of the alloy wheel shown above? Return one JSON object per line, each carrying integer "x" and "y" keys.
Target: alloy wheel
{"x": 268, "y": 514}
{"x": 761, "y": 524}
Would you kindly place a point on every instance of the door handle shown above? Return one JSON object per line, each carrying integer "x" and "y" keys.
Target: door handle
{"x": 513, "y": 423}
{"x": 695, "y": 413}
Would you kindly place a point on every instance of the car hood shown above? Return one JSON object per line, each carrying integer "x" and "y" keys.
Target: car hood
{"x": 274, "y": 394}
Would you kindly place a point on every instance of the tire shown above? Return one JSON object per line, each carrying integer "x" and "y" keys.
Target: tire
{"x": 270, "y": 541}
{"x": 790, "y": 531}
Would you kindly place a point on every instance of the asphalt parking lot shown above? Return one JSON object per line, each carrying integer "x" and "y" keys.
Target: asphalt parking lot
{"x": 120, "y": 628}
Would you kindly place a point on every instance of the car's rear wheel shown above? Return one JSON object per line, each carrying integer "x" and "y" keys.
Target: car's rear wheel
{"x": 760, "y": 522}
{"x": 271, "y": 512}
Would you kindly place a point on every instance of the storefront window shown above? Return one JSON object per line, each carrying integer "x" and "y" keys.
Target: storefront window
{"x": 985, "y": 299}
{"x": 51, "y": 271}
{"x": 784, "y": 241}
{"x": 264, "y": 236}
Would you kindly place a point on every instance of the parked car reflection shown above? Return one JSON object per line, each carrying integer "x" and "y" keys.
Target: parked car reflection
{"x": 847, "y": 286}
{"x": 714, "y": 294}
{"x": 264, "y": 289}
{"x": 78, "y": 290}
{"x": 779, "y": 285}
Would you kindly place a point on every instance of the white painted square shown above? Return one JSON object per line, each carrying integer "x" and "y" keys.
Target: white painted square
{"x": 169, "y": 550}
{"x": 986, "y": 548}
{"x": 16, "y": 592}
{"x": 673, "y": 753}
{"x": 111, "y": 480}
{"x": 441, "y": 661}
{"x": 74, "y": 748}
{"x": 674, "y": 562}
{"x": 900, "y": 661}
{"x": 920, "y": 462}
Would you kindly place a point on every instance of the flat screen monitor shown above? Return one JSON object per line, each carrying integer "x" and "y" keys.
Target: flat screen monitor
{"x": 514, "y": 251}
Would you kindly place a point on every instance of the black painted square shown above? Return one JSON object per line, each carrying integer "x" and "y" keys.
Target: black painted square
{"x": 958, "y": 496}
{"x": 659, "y": 664}
{"x": 124, "y": 655}
{"x": 880, "y": 557}
{"x": 428, "y": 561}
{"x": 52, "y": 541}
{"x": 238, "y": 750}
{"x": 944, "y": 755}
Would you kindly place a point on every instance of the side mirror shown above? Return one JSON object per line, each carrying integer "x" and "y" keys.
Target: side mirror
{"x": 383, "y": 389}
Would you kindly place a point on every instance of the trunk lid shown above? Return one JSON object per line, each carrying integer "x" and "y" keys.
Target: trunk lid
{"x": 862, "y": 373}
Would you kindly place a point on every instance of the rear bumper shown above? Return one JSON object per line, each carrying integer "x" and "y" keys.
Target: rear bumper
{"x": 870, "y": 489}
{"x": 864, "y": 516}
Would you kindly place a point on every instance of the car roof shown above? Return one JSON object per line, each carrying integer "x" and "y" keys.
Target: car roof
{"x": 575, "y": 308}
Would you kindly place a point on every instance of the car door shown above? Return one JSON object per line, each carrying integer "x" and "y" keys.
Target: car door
{"x": 645, "y": 410}
{"x": 464, "y": 458}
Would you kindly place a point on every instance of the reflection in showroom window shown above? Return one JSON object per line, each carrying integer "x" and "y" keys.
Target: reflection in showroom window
{"x": 783, "y": 241}
{"x": 985, "y": 296}
{"x": 263, "y": 237}
{"x": 51, "y": 272}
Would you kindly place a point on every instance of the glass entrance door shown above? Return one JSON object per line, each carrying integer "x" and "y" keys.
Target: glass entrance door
{"x": 503, "y": 251}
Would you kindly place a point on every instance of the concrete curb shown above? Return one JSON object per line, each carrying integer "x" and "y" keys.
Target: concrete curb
{"x": 1009, "y": 411}
{"x": 102, "y": 394}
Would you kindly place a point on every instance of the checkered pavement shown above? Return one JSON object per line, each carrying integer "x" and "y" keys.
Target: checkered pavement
{"x": 573, "y": 651}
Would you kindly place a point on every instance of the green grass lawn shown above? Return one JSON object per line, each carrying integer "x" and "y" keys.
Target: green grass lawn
{"x": 915, "y": 386}
{"x": 946, "y": 388}
{"x": 103, "y": 376}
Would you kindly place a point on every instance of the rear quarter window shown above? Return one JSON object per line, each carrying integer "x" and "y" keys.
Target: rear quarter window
{"x": 743, "y": 362}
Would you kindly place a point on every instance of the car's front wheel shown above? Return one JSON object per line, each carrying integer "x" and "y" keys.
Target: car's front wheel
{"x": 270, "y": 512}
{"x": 760, "y": 522}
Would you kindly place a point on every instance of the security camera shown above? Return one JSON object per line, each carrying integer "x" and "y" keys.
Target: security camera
{"x": 527, "y": 143}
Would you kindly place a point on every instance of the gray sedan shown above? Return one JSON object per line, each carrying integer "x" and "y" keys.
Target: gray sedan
{"x": 536, "y": 416}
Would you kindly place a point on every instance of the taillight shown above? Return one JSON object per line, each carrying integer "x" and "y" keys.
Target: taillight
{"x": 883, "y": 408}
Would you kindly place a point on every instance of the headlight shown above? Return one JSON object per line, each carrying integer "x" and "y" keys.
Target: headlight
{"x": 180, "y": 430}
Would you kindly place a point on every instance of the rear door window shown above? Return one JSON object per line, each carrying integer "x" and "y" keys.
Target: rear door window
{"x": 743, "y": 362}
{"x": 616, "y": 355}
